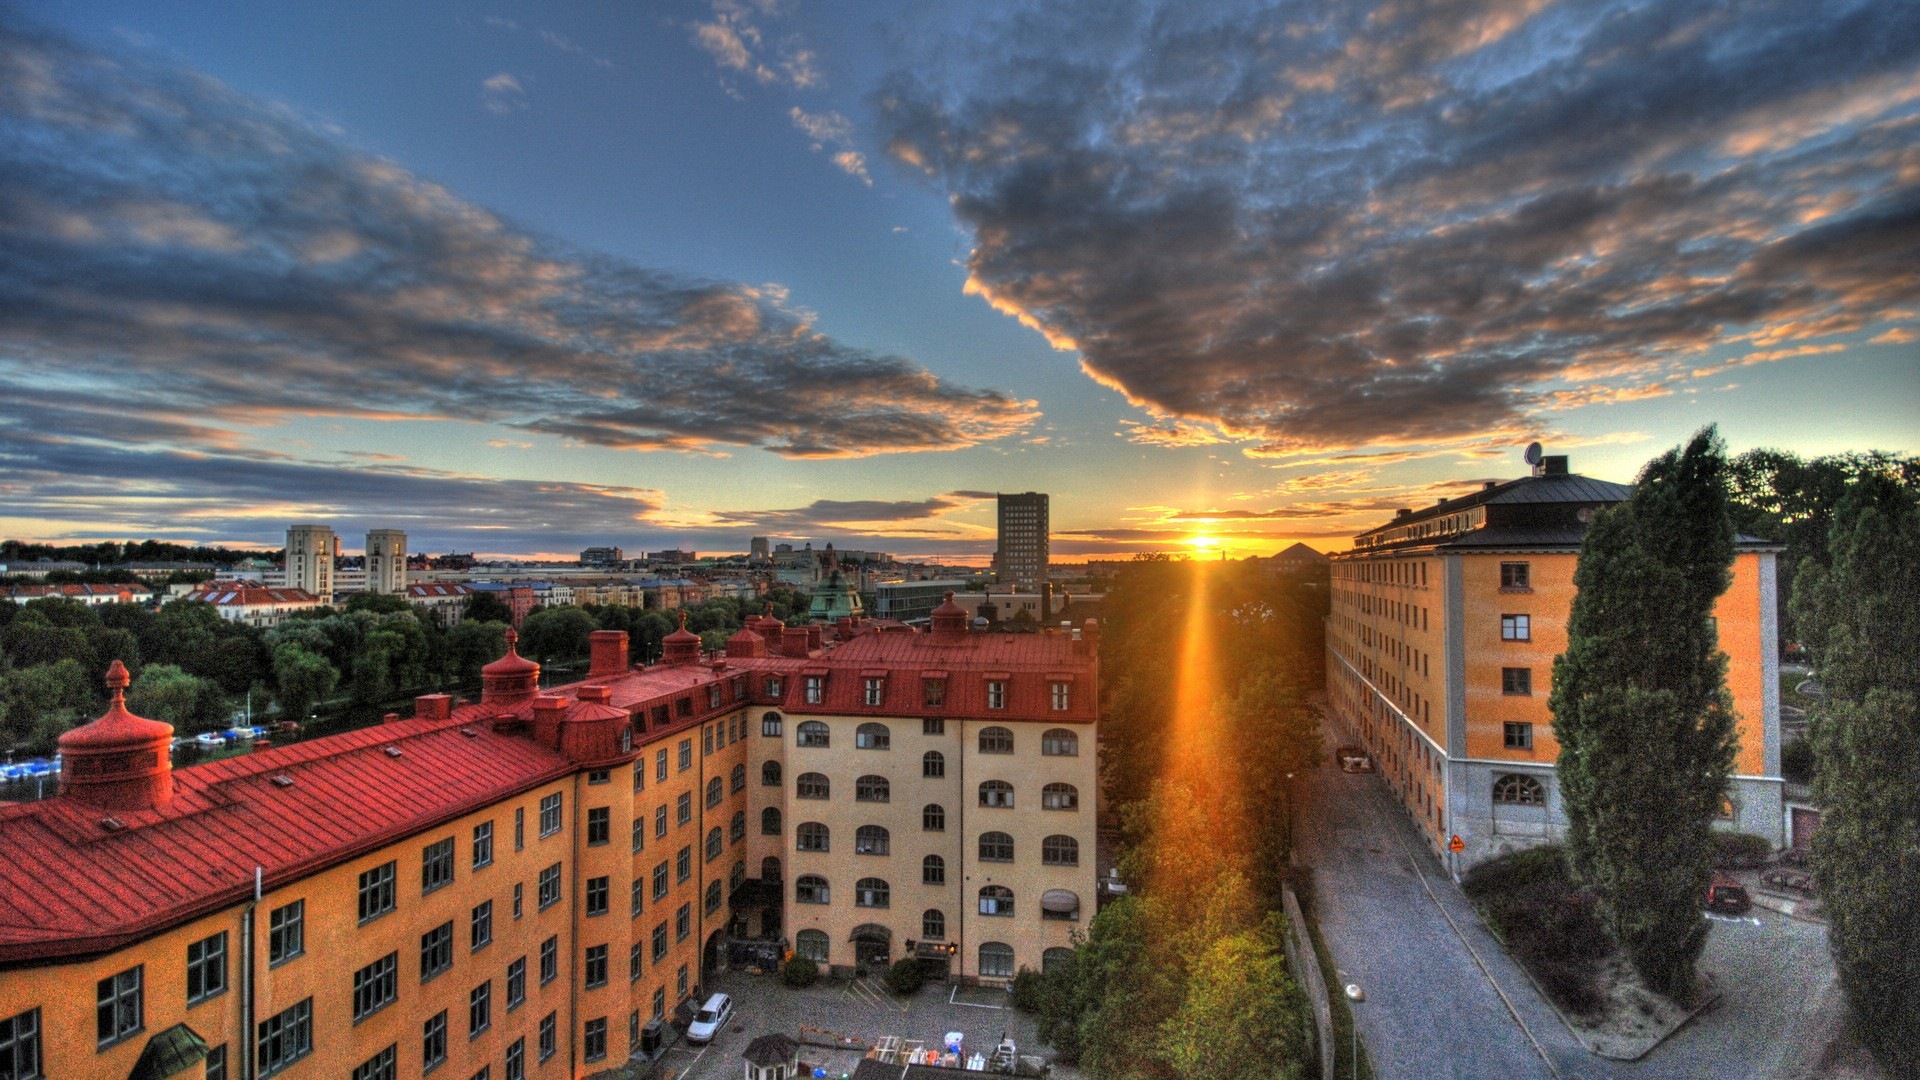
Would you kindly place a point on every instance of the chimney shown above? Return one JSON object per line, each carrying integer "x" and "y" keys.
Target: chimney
{"x": 547, "y": 711}
{"x": 433, "y": 707}
{"x": 793, "y": 641}
{"x": 599, "y": 694}
{"x": 1046, "y": 602}
{"x": 1402, "y": 512}
{"x": 390, "y": 718}
{"x": 609, "y": 653}
{"x": 1087, "y": 643}
{"x": 813, "y": 637}
{"x": 1553, "y": 465}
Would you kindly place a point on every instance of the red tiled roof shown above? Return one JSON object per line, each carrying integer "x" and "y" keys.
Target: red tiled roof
{"x": 253, "y": 596}
{"x": 1026, "y": 663}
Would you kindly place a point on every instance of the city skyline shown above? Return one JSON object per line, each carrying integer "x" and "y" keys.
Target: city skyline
{"x": 527, "y": 279}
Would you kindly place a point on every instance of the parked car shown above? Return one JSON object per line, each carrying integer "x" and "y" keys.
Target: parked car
{"x": 212, "y": 740}
{"x": 243, "y": 732}
{"x": 1727, "y": 896}
{"x": 710, "y": 1019}
{"x": 1353, "y": 759}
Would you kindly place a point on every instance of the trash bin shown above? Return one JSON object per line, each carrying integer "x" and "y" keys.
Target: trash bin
{"x": 650, "y": 1038}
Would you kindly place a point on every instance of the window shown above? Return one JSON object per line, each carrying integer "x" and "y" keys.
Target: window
{"x": 640, "y": 774}
{"x": 933, "y": 765}
{"x": 996, "y": 694}
{"x": 480, "y": 1009}
{"x": 482, "y": 844}
{"x": 996, "y": 960}
{"x": 377, "y": 1067}
{"x": 519, "y": 894}
{"x": 816, "y": 686}
{"x": 996, "y": 740}
{"x": 376, "y": 891}
{"x": 933, "y": 817}
{"x": 872, "y": 737}
{"x": 996, "y": 900}
{"x": 682, "y": 922}
{"x": 216, "y": 1061}
{"x": 640, "y": 833}
{"x": 996, "y": 793}
{"x": 737, "y": 779}
{"x": 207, "y": 968}
{"x": 550, "y": 815}
{"x": 683, "y": 864}
{"x": 870, "y": 840}
{"x": 659, "y": 822}
{"x": 812, "y": 836}
{"x": 119, "y": 1006}
{"x": 1059, "y": 742}
{"x": 996, "y": 847}
{"x": 599, "y": 825}
{"x": 770, "y": 774}
{"x": 549, "y": 886}
{"x": 811, "y": 944}
{"x": 516, "y": 983}
{"x": 519, "y": 827}
{"x": 1516, "y": 680}
{"x": 811, "y": 889}
{"x": 1516, "y": 790}
{"x": 287, "y": 932}
{"x": 737, "y": 826}
{"x": 596, "y": 966}
{"x": 813, "y": 733}
{"x": 660, "y": 762}
{"x": 436, "y": 951}
{"x": 770, "y": 722}
{"x": 813, "y": 785}
{"x": 1059, "y": 797}
{"x": 933, "y": 923}
{"x": 597, "y": 899}
{"x": 933, "y": 870}
{"x": 871, "y": 690}
{"x": 714, "y": 897}
{"x": 683, "y": 808}
{"x": 716, "y": 843}
{"x": 1060, "y": 850}
{"x": 1055, "y": 959}
{"x": 659, "y": 941}
{"x": 516, "y": 1067}
{"x": 1515, "y": 575}
{"x": 433, "y": 1041}
{"x": 660, "y": 883}
{"x": 549, "y": 1035}
{"x": 1519, "y": 736}
{"x": 634, "y": 953}
{"x": 285, "y": 1038}
{"x": 871, "y": 892}
{"x": 770, "y": 822}
{"x": 1516, "y": 628}
{"x": 934, "y": 693}
{"x": 480, "y": 930}
{"x": 549, "y": 959}
{"x": 1058, "y": 696}
{"x": 716, "y": 792}
{"x": 871, "y": 788}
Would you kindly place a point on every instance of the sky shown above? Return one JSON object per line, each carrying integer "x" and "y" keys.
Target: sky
{"x": 527, "y": 278}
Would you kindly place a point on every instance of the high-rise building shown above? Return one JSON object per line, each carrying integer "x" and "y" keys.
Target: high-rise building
{"x": 760, "y": 552}
{"x": 602, "y": 556}
{"x": 1024, "y": 548}
{"x": 310, "y": 551}
{"x": 386, "y": 561}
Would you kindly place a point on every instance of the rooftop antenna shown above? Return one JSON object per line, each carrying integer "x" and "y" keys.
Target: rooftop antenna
{"x": 1532, "y": 456}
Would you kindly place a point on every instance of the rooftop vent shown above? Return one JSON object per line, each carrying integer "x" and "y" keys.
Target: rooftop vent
{"x": 280, "y": 780}
{"x": 394, "y": 751}
{"x": 112, "y": 824}
{"x": 469, "y": 733}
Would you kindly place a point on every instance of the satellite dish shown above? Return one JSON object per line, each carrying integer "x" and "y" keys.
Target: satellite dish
{"x": 1532, "y": 455}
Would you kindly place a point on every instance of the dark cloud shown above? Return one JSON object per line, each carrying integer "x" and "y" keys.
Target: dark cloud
{"x": 829, "y": 514}
{"x": 184, "y": 251}
{"x": 1342, "y": 224}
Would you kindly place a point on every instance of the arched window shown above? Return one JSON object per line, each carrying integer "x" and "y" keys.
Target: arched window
{"x": 872, "y": 737}
{"x": 996, "y": 793}
{"x": 716, "y": 843}
{"x": 813, "y": 785}
{"x": 811, "y": 944}
{"x": 933, "y": 923}
{"x": 770, "y": 723}
{"x": 996, "y": 960}
{"x": 933, "y": 870}
{"x": 1059, "y": 742}
{"x": 1517, "y": 790}
{"x": 737, "y": 828}
{"x": 812, "y": 836}
{"x": 716, "y": 792}
{"x": 813, "y": 733}
{"x": 811, "y": 889}
{"x": 996, "y": 847}
{"x": 996, "y": 900}
{"x": 871, "y": 892}
{"x": 870, "y": 788}
{"x": 933, "y": 817}
{"x": 770, "y": 774}
{"x": 870, "y": 840}
{"x": 770, "y": 868}
{"x": 1060, "y": 851}
{"x": 736, "y": 876}
{"x": 1059, "y": 797}
{"x": 933, "y": 764}
{"x": 996, "y": 740}
{"x": 770, "y": 821}
{"x": 1055, "y": 958}
{"x": 737, "y": 780}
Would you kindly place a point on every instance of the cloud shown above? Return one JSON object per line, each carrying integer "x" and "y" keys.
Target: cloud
{"x": 175, "y": 248}
{"x": 831, "y": 131}
{"x": 735, "y": 40}
{"x": 880, "y": 517}
{"x": 1414, "y": 225}
{"x": 502, "y": 95}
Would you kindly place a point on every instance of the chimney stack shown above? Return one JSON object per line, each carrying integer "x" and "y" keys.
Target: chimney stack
{"x": 609, "y": 653}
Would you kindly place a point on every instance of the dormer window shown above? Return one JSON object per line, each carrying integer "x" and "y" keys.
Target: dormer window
{"x": 871, "y": 690}
{"x": 713, "y": 696}
{"x": 816, "y": 687}
{"x": 996, "y": 694}
{"x": 935, "y": 691}
{"x": 1060, "y": 697}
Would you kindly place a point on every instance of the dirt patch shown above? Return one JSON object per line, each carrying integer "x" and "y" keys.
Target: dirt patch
{"x": 1630, "y": 1019}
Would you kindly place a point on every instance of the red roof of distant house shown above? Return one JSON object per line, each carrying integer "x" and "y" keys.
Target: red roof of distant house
{"x": 128, "y": 590}
{"x": 253, "y": 596}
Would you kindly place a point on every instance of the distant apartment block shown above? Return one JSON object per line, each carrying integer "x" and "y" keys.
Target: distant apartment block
{"x": 912, "y": 601}
{"x": 309, "y": 566}
{"x": 386, "y": 561}
{"x": 602, "y": 556}
{"x": 1024, "y": 540}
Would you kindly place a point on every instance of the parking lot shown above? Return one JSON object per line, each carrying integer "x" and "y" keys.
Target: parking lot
{"x": 857, "y": 1008}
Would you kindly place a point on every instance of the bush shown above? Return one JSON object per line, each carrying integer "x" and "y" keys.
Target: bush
{"x": 1529, "y": 901}
{"x": 1029, "y": 990}
{"x": 1796, "y": 761}
{"x": 905, "y": 976}
{"x": 800, "y": 971}
{"x": 1740, "y": 851}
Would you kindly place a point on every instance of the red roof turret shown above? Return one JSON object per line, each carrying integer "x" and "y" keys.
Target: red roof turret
{"x": 682, "y": 646}
{"x": 745, "y": 644}
{"x": 120, "y": 761}
{"x": 511, "y": 678}
{"x": 949, "y": 620}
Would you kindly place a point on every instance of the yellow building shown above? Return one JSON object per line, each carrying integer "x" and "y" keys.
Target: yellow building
{"x": 522, "y": 883}
{"x": 1440, "y": 646}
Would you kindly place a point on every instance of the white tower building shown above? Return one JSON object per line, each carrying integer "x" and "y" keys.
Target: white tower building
{"x": 310, "y": 559}
{"x": 386, "y": 561}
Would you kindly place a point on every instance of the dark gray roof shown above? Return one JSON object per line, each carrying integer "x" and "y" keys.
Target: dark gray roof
{"x": 1565, "y": 488}
{"x": 1518, "y": 536}
{"x": 775, "y": 1049}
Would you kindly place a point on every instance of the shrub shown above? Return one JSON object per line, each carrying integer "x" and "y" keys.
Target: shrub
{"x": 1740, "y": 851}
{"x": 800, "y": 971}
{"x": 1796, "y": 761}
{"x": 1529, "y": 901}
{"x": 1029, "y": 990}
{"x": 905, "y": 976}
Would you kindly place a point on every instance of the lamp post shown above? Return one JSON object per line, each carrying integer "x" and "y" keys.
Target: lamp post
{"x": 1287, "y": 791}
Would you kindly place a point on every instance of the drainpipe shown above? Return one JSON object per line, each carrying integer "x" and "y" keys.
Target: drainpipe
{"x": 573, "y": 929}
{"x": 960, "y": 941}
{"x": 247, "y": 979}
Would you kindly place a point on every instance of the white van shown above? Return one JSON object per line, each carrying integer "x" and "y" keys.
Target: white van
{"x": 710, "y": 1019}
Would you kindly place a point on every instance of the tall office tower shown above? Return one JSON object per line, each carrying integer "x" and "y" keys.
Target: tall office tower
{"x": 386, "y": 561}
{"x": 1023, "y": 540}
{"x": 761, "y": 551}
{"x": 310, "y": 559}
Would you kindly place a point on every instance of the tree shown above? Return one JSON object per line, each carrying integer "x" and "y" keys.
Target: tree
{"x": 1640, "y": 708}
{"x": 557, "y": 634}
{"x": 1863, "y": 630}
{"x": 38, "y": 703}
{"x": 1242, "y": 1018}
{"x": 471, "y": 646}
{"x": 191, "y": 704}
{"x": 302, "y": 679}
{"x": 486, "y": 607}
{"x": 379, "y": 603}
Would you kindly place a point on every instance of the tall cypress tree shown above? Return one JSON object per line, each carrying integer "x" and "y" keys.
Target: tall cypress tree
{"x": 1640, "y": 708}
{"x": 1863, "y": 627}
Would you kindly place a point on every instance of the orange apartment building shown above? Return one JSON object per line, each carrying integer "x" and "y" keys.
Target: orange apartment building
{"x": 1440, "y": 646}
{"x": 521, "y": 884}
